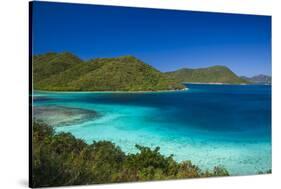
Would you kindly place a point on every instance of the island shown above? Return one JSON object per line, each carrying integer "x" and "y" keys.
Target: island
{"x": 260, "y": 79}
{"x": 67, "y": 72}
{"x": 213, "y": 75}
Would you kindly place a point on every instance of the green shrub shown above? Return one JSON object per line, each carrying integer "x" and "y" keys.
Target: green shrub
{"x": 61, "y": 159}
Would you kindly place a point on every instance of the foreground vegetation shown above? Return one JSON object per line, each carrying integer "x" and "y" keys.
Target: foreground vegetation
{"x": 61, "y": 159}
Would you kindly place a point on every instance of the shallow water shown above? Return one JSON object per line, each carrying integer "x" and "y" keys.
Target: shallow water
{"x": 210, "y": 125}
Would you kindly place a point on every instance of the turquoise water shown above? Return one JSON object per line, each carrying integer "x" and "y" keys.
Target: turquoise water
{"x": 210, "y": 125}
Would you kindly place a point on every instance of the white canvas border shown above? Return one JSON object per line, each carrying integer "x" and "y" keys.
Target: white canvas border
{"x": 14, "y": 93}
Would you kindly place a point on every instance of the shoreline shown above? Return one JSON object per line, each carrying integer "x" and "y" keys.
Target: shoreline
{"x": 216, "y": 83}
{"x": 199, "y": 83}
{"x": 159, "y": 91}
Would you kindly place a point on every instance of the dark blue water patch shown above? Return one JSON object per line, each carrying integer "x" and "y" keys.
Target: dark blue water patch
{"x": 223, "y": 108}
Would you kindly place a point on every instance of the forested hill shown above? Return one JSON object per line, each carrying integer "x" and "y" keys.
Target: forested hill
{"x": 66, "y": 72}
{"x": 213, "y": 74}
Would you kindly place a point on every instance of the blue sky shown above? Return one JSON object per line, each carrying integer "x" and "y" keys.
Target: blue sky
{"x": 165, "y": 39}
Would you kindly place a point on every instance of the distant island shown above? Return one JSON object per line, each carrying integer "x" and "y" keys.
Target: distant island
{"x": 258, "y": 79}
{"x": 213, "y": 74}
{"x": 67, "y": 72}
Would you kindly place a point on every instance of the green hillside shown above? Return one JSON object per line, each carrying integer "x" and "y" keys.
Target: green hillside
{"x": 49, "y": 64}
{"x": 66, "y": 72}
{"x": 213, "y": 74}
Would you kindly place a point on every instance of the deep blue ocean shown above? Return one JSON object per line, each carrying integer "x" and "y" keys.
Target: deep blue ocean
{"x": 228, "y": 125}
